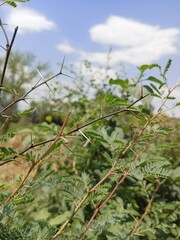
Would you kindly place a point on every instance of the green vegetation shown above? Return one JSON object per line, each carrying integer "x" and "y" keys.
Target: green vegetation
{"x": 109, "y": 171}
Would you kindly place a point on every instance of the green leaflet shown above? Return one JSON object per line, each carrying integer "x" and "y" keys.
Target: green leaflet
{"x": 156, "y": 169}
{"x": 153, "y": 79}
{"x": 6, "y": 153}
{"x": 60, "y": 219}
{"x": 13, "y": 2}
{"x": 123, "y": 83}
{"x": 7, "y": 137}
{"x": 145, "y": 67}
{"x": 24, "y": 113}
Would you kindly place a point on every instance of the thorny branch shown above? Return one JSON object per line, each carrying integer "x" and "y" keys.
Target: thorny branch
{"x": 148, "y": 207}
{"x": 37, "y": 85}
{"x": 77, "y": 128}
{"x": 8, "y": 51}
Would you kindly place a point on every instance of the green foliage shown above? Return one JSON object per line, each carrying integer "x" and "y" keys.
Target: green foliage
{"x": 13, "y": 2}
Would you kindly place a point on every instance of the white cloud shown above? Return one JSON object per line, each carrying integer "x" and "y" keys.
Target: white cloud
{"x": 28, "y": 20}
{"x": 124, "y": 32}
{"x": 131, "y": 41}
{"x": 65, "y": 47}
{"x": 134, "y": 42}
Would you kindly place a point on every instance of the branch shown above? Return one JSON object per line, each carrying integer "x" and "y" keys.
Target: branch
{"x": 98, "y": 208}
{"x": 24, "y": 97}
{"x": 75, "y": 129}
{"x": 3, "y": 3}
{"x": 148, "y": 207}
{"x": 9, "y": 47}
{"x": 127, "y": 109}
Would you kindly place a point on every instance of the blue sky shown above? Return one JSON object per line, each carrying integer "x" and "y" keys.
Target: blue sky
{"x": 138, "y": 31}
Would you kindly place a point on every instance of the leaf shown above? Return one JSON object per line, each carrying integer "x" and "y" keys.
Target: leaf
{"x": 161, "y": 85}
{"x": 156, "y": 169}
{"x": 86, "y": 179}
{"x": 115, "y": 139}
{"x": 119, "y": 102}
{"x": 144, "y": 67}
{"x": 167, "y": 67}
{"x": 42, "y": 214}
{"x": 177, "y": 104}
{"x": 156, "y": 95}
{"x": 108, "y": 157}
{"x": 6, "y": 153}
{"x": 137, "y": 173}
{"x": 164, "y": 131}
{"x": 123, "y": 83}
{"x": 155, "y": 88}
{"x": 7, "y": 137}
{"x": 96, "y": 135}
{"x": 153, "y": 79}
{"x": 171, "y": 98}
{"x": 24, "y": 113}
{"x": 148, "y": 88}
{"x": 13, "y": 3}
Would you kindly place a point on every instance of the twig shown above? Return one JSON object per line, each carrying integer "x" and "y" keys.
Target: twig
{"x": 3, "y": 3}
{"x": 9, "y": 47}
{"x": 24, "y": 97}
{"x": 148, "y": 207}
{"x": 5, "y": 34}
{"x": 127, "y": 109}
{"x": 103, "y": 203}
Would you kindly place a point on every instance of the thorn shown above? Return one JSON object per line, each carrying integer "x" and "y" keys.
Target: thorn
{"x": 84, "y": 135}
{"x": 64, "y": 139}
{"x": 37, "y": 82}
{"x": 62, "y": 65}
{"x": 25, "y": 101}
{"x": 48, "y": 87}
{"x": 40, "y": 74}
{"x": 3, "y": 48}
{"x": 67, "y": 147}
{"x": 43, "y": 80}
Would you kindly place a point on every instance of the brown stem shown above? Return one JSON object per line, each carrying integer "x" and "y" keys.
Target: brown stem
{"x": 148, "y": 207}
{"x": 9, "y": 47}
{"x": 98, "y": 208}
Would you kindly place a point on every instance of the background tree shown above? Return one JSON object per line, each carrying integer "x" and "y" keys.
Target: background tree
{"x": 21, "y": 74}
